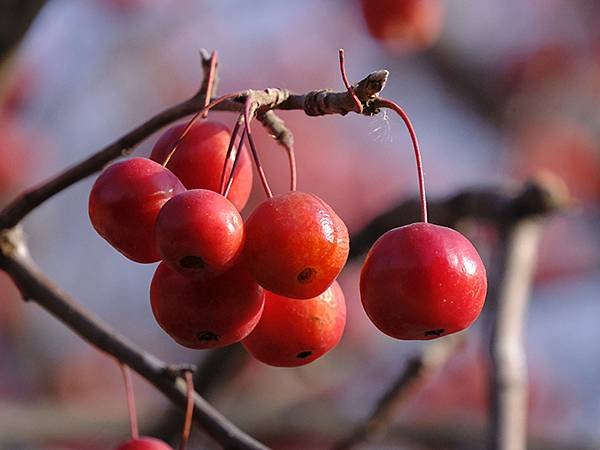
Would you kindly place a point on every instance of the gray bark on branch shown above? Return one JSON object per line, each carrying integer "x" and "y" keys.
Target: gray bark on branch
{"x": 34, "y": 286}
{"x": 313, "y": 103}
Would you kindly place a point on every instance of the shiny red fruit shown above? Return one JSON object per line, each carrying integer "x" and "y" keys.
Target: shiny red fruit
{"x": 125, "y": 201}
{"x": 295, "y": 332}
{"x": 200, "y": 156}
{"x": 144, "y": 443}
{"x": 206, "y": 313}
{"x": 404, "y": 24}
{"x": 199, "y": 233}
{"x": 422, "y": 281}
{"x": 296, "y": 245}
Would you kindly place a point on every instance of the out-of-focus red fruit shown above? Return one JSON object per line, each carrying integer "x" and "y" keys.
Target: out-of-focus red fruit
{"x": 15, "y": 154}
{"x": 559, "y": 261}
{"x": 562, "y": 147}
{"x": 294, "y": 332}
{"x": 200, "y": 156}
{"x": 404, "y": 24}
{"x": 12, "y": 312}
{"x": 199, "y": 233}
{"x": 296, "y": 245}
{"x": 144, "y": 443}
{"x": 18, "y": 88}
{"x": 206, "y": 313}
{"x": 422, "y": 281}
{"x": 124, "y": 204}
{"x": 540, "y": 65}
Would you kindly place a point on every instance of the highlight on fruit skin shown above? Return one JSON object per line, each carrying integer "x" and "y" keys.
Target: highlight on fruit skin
{"x": 203, "y": 314}
{"x": 296, "y": 245}
{"x": 199, "y": 158}
{"x": 422, "y": 281}
{"x": 125, "y": 201}
{"x": 294, "y": 332}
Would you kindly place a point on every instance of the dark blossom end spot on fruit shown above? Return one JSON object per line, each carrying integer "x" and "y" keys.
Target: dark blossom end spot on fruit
{"x": 191, "y": 262}
{"x": 206, "y": 336}
{"x": 304, "y": 354}
{"x": 306, "y": 275}
{"x": 437, "y": 332}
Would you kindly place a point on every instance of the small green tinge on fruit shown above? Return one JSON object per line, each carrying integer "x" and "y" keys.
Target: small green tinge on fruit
{"x": 207, "y": 336}
{"x": 437, "y": 332}
{"x": 192, "y": 262}
{"x": 306, "y": 275}
{"x": 304, "y": 354}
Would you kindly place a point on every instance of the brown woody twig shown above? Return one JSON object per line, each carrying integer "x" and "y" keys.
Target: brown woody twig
{"x": 314, "y": 103}
{"x": 36, "y": 287}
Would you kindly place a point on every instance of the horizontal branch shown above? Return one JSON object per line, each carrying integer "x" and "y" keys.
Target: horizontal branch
{"x": 313, "y": 103}
{"x": 36, "y": 287}
{"x": 490, "y": 204}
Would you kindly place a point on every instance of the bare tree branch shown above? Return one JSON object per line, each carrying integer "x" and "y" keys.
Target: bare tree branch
{"x": 490, "y": 204}
{"x": 217, "y": 368}
{"x": 416, "y": 369}
{"x": 313, "y": 103}
{"x": 510, "y": 283}
{"x": 36, "y": 287}
{"x": 16, "y": 16}
{"x": 515, "y": 265}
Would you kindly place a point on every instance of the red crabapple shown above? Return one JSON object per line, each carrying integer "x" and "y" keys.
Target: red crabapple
{"x": 404, "y": 24}
{"x": 125, "y": 201}
{"x": 422, "y": 281}
{"x": 200, "y": 156}
{"x": 206, "y": 313}
{"x": 144, "y": 443}
{"x": 296, "y": 245}
{"x": 295, "y": 332}
{"x": 200, "y": 233}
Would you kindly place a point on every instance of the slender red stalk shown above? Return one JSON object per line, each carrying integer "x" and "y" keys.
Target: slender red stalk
{"x": 384, "y": 103}
{"x": 235, "y": 163}
{"x": 230, "y": 147}
{"x": 292, "y": 163}
{"x": 261, "y": 172}
{"x": 130, "y": 401}
{"x": 189, "y": 411}
{"x": 357, "y": 102}
{"x": 212, "y": 71}
{"x": 191, "y": 122}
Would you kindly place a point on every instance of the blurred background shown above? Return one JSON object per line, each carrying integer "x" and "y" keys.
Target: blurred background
{"x": 498, "y": 92}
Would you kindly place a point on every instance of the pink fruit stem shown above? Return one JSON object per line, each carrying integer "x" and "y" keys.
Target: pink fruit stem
{"x": 189, "y": 411}
{"x": 130, "y": 401}
{"x": 292, "y": 163}
{"x": 193, "y": 120}
{"x": 235, "y": 163}
{"x": 357, "y": 102}
{"x": 212, "y": 71}
{"x": 384, "y": 103}
{"x": 230, "y": 148}
{"x": 261, "y": 172}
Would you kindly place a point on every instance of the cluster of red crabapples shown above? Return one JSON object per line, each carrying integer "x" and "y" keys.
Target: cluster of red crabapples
{"x": 269, "y": 281}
